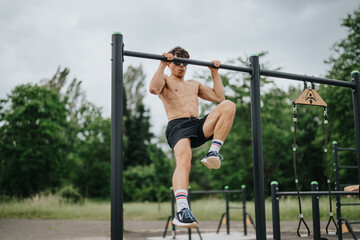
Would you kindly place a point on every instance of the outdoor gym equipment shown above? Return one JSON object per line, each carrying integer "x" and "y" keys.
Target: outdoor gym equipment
{"x": 315, "y": 194}
{"x": 254, "y": 70}
{"x": 225, "y": 216}
{"x": 339, "y": 186}
{"x": 310, "y": 97}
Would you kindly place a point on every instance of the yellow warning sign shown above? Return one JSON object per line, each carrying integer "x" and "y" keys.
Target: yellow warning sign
{"x": 310, "y": 97}
{"x": 344, "y": 228}
{"x": 248, "y": 221}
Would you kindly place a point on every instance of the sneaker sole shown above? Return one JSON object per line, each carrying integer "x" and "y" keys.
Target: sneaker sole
{"x": 211, "y": 162}
{"x": 186, "y": 225}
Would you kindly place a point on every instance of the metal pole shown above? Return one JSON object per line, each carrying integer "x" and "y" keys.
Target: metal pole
{"x": 337, "y": 179}
{"x": 355, "y": 77}
{"x": 257, "y": 149}
{"x": 227, "y": 210}
{"x": 243, "y": 187}
{"x": 173, "y": 213}
{"x": 117, "y": 222}
{"x": 315, "y": 211}
{"x": 275, "y": 210}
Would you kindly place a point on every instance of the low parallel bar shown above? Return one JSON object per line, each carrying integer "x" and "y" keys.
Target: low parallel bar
{"x": 185, "y": 60}
{"x": 216, "y": 191}
{"x": 346, "y": 149}
{"x": 348, "y": 167}
{"x": 312, "y": 193}
{"x": 350, "y": 204}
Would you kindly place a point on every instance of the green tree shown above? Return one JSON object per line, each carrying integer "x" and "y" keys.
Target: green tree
{"x": 32, "y": 140}
{"x": 345, "y": 59}
{"x": 93, "y": 168}
{"x": 136, "y": 118}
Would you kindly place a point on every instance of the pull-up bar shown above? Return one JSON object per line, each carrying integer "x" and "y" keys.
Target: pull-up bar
{"x": 267, "y": 73}
{"x": 255, "y": 72}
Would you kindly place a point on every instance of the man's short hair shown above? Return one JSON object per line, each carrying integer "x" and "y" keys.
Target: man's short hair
{"x": 179, "y": 52}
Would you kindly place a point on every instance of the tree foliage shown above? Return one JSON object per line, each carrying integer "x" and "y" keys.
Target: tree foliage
{"x": 33, "y": 142}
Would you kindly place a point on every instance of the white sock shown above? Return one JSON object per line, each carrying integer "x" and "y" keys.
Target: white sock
{"x": 216, "y": 145}
{"x": 181, "y": 199}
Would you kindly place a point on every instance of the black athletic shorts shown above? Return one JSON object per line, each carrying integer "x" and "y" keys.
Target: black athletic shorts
{"x": 186, "y": 128}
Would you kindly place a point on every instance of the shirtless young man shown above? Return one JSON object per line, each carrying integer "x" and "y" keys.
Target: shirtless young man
{"x": 185, "y": 130}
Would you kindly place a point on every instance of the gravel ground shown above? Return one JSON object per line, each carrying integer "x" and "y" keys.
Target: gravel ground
{"x": 25, "y": 229}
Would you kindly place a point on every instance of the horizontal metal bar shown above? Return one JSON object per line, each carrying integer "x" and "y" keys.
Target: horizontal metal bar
{"x": 237, "y": 207}
{"x": 185, "y": 60}
{"x": 347, "y": 167}
{"x": 314, "y": 193}
{"x": 216, "y": 191}
{"x": 354, "y": 222}
{"x": 268, "y": 73}
{"x": 350, "y": 204}
{"x": 345, "y": 185}
{"x": 297, "y": 77}
{"x": 346, "y": 149}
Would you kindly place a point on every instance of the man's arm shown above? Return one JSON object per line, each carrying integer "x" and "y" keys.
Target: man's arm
{"x": 215, "y": 94}
{"x": 158, "y": 81}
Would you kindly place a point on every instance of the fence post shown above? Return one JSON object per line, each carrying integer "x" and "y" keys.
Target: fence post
{"x": 275, "y": 210}
{"x": 315, "y": 211}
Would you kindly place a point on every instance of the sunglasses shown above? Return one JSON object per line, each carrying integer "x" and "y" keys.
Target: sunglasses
{"x": 179, "y": 63}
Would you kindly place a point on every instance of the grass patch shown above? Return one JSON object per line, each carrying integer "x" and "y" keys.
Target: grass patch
{"x": 53, "y": 207}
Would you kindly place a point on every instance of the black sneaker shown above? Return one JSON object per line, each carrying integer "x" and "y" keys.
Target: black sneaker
{"x": 212, "y": 160}
{"x": 185, "y": 218}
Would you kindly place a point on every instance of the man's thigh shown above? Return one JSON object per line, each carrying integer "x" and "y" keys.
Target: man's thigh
{"x": 211, "y": 120}
{"x": 182, "y": 150}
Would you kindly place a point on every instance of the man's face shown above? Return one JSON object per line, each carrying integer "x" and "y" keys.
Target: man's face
{"x": 177, "y": 69}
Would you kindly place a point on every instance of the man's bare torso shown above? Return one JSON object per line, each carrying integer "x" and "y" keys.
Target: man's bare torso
{"x": 180, "y": 98}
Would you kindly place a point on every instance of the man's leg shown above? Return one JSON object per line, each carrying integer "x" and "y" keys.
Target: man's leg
{"x": 182, "y": 152}
{"x": 218, "y": 122}
{"x": 184, "y": 216}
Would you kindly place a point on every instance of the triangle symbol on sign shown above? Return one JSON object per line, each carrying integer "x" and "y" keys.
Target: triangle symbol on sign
{"x": 310, "y": 97}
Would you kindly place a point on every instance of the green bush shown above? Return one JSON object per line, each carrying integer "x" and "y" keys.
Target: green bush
{"x": 71, "y": 195}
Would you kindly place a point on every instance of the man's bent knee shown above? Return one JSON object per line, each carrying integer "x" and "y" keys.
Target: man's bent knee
{"x": 228, "y": 106}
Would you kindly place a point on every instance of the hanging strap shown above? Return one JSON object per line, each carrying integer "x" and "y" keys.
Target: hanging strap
{"x": 307, "y": 233}
{"x": 301, "y": 221}
{"x": 331, "y": 218}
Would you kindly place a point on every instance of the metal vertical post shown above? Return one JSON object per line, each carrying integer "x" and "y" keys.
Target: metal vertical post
{"x": 275, "y": 210}
{"x": 173, "y": 212}
{"x": 337, "y": 180}
{"x": 257, "y": 148}
{"x": 227, "y": 210}
{"x": 355, "y": 77}
{"x": 315, "y": 211}
{"x": 117, "y": 222}
{"x": 243, "y": 187}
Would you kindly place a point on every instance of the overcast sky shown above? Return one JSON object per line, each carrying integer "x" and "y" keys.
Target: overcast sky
{"x": 38, "y": 36}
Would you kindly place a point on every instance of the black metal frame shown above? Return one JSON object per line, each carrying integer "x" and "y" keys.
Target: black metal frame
{"x": 315, "y": 194}
{"x": 226, "y": 214}
{"x": 118, "y": 54}
{"x": 338, "y": 186}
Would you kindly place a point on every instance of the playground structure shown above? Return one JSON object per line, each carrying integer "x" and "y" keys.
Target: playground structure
{"x": 225, "y": 216}
{"x": 254, "y": 70}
